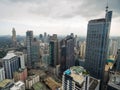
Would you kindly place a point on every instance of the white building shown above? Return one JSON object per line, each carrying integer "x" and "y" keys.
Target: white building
{"x": 22, "y": 59}
{"x": 18, "y": 86}
{"x": 76, "y": 78}
{"x": 2, "y": 74}
{"x": 32, "y": 80}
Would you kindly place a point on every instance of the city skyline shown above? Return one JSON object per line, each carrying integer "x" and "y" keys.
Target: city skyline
{"x": 60, "y": 17}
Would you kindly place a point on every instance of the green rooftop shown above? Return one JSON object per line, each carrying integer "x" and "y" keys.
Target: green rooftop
{"x": 110, "y": 61}
{"x": 38, "y": 86}
{"x": 78, "y": 70}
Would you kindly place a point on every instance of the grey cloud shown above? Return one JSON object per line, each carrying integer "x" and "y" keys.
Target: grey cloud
{"x": 68, "y": 8}
{"x": 71, "y": 8}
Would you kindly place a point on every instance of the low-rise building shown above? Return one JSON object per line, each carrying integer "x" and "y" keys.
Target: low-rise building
{"x": 2, "y": 74}
{"x": 18, "y": 86}
{"x": 32, "y": 80}
{"x": 6, "y": 84}
{"x": 76, "y": 78}
{"x": 52, "y": 84}
{"x": 21, "y": 75}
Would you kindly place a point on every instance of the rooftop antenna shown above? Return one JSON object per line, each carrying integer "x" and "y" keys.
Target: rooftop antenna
{"x": 107, "y": 7}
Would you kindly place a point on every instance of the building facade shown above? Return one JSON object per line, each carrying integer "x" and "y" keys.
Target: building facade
{"x": 53, "y": 45}
{"x": 97, "y": 45}
{"x": 70, "y": 59}
{"x": 35, "y": 52}
{"x": 11, "y": 63}
{"x": 118, "y": 61}
{"x": 2, "y": 74}
{"x": 29, "y": 39}
{"x": 21, "y": 75}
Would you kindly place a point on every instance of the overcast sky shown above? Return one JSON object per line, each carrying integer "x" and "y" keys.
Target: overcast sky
{"x": 55, "y": 16}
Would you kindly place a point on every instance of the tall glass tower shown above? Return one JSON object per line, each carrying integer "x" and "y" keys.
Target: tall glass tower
{"x": 29, "y": 39}
{"x": 97, "y": 45}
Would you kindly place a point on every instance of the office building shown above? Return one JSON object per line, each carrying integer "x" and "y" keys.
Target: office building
{"x": 29, "y": 39}
{"x": 70, "y": 59}
{"x": 113, "y": 47}
{"x": 18, "y": 86}
{"x": 62, "y": 56}
{"x": 97, "y": 45}
{"x": 118, "y": 61}
{"x": 14, "y": 40}
{"x": 2, "y": 74}
{"x": 35, "y": 52}
{"x": 82, "y": 49}
{"x": 11, "y": 63}
{"x": 53, "y": 45}
{"x": 76, "y": 78}
{"x": 67, "y": 53}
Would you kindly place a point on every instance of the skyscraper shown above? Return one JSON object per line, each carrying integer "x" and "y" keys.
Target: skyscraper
{"x": 35, "y": 52}
{"x": 14, "y": 41}
{"x": 53, "y": 50}
{"x": 29, "y": 39}
{"x": 70, "y": 59}
{"x": 67, "y": 58}
{"x": 97, "y": 45}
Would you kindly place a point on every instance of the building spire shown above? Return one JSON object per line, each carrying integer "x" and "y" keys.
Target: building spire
{"x": 107, "y": 7}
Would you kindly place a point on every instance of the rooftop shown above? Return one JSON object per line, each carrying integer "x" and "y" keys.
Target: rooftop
{"x": 38, "y": 86}
{"x": 115, "y": 81}
{"x": 77, "y": 73}
{"x": 31, "y": 77}
{"x": 17, "y": 85}
{"x": 52, "y": 84}
{"x": 9, "y": 55}
{"x": 97, "y": 20}
{"x": 5, "y": 82}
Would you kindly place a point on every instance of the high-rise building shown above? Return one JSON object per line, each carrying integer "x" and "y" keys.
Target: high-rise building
{"x": 118, "y": 61}
{"x": 2, "y": 74}
{"x": 41, "y": 37}
{"x": 11, "y": 63}
{"x": 29, "y": 39}
{"x": 82, "y": 49}
{"x": 53, "y": 45}
{"x": 113, "y": 47}
{"x": 62, "y": 56}
{"x": 97, "y": 45}
{"x": 21, "y": 58}
{"x": 76, "y": 78}
{"x": 67, "y": 53}
{"x": 70, "y": 59}
{"x": 14, "y": 40}
{"x": 35, "y": 52}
